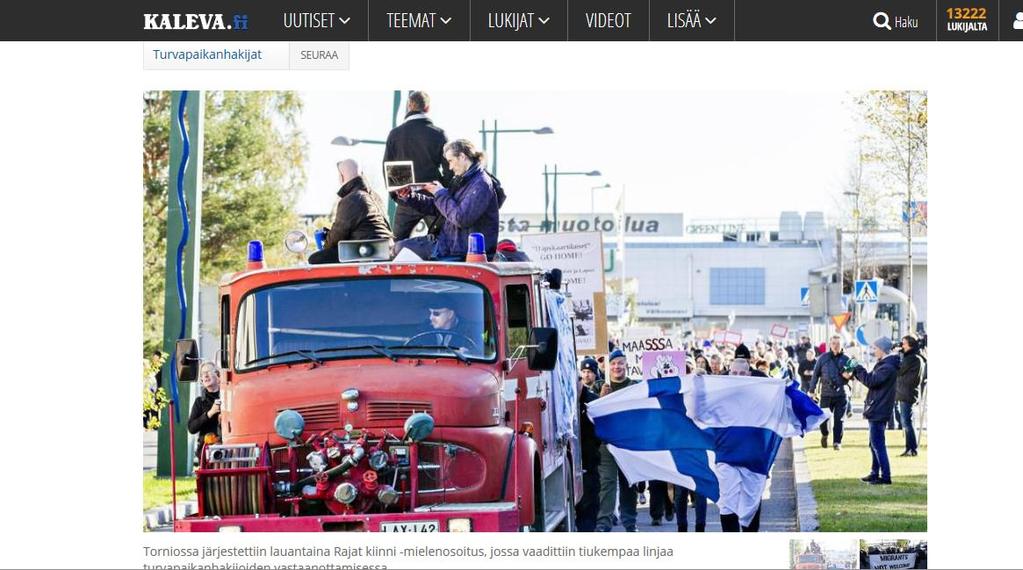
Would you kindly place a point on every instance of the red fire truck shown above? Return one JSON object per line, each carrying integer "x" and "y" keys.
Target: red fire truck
{"x": 392, "y": 397}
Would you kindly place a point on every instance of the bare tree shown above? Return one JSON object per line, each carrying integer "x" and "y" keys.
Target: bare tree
{"x": 896, "y": 145}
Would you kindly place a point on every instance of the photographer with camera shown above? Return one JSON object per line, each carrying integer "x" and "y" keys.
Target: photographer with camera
{"x": 907, "y": 392}
{"x": 204, "y": 419}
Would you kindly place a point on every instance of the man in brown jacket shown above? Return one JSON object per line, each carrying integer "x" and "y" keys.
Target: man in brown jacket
{"x": 361, "y": 215}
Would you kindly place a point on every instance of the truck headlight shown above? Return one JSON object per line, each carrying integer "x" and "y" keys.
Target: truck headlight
{"x": 459, "y": 525}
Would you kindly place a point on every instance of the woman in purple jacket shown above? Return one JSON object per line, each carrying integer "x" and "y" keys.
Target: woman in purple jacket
{"x": 469, "y": 206}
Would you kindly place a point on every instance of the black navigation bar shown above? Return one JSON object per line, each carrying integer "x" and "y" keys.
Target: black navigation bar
{"x": 516, "y": 20}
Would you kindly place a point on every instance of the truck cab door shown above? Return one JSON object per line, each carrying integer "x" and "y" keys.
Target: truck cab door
{"x": 521, "y": 315}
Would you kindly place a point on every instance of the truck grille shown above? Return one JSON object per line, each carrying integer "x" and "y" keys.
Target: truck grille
{"x": 391, "y": 410}
{"x": 319, "y": 417}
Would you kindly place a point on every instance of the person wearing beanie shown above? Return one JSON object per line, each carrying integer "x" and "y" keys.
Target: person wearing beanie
{"x": 588, "y": 508}
{"x": 612, "y": 481}
{"x": 877, "y": 408}
{"x": 742, "y": 351}
{"x": 589, "y": 371}
{"x": 831, "y": 388}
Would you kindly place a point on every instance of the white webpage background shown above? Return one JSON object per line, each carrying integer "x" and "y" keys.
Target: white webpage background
{"x": 70, "y": 152}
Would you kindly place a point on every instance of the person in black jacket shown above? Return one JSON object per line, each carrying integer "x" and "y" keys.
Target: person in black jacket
{"x": 827, "y": 375}
{"x": 877, "y": 408}
{"x": 801, "y": 348}
{"x": 806, "y": 366}
{"x": 589, "y": 505}
{"x": 204, "y": 419}
{"x": 907, "y": 388}
{"x": 417, "y": 139}
{"x": 360, "y": 214}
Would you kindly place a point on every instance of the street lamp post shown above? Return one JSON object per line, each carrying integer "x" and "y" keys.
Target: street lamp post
{"x": 593, "y": 192}
{"x": 555, "y": 174}
{"x": 856, "y": 251}
{"x": 495, "y": 131}
{"x": 910, "y": 316}
{"x": 350, "y": 141}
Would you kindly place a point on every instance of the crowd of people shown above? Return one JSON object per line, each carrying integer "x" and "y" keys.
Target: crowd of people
{"x": 825, "y": 372}
{"x": 453, "y": 195}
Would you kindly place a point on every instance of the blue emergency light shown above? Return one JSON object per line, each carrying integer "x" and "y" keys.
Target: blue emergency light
{"x": 477, "y": 249}
{"x": 255, "y": 254}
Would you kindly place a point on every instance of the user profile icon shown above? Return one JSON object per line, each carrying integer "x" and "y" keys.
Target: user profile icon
{"x": 1018, "y": 24}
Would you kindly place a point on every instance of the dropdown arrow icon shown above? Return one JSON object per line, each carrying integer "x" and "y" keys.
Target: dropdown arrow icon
{"x": 711, "y": 20}
{"x": 344, "y": 20}
{"x": 445, "y": 21}
{"x": 544, "y": 20}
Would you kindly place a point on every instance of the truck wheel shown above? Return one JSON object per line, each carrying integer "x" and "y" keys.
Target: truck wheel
{"x": 568, "y": 523}
{"x": 539, "y": 510}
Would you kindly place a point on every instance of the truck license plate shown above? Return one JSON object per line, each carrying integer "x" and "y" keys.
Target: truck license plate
{"x": 412, "y": 526}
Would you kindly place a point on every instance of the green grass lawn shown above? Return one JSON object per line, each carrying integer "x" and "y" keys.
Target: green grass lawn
{"x": 846, "y": 504}
{"x": 156, "y": 491}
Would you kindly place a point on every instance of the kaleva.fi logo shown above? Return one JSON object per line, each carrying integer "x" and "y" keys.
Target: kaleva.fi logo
{"x": 239, "y": 22}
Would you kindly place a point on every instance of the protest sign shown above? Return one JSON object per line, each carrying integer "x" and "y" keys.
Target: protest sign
{"x": 663, "y": 363}
{"x": 898, "y": 560}
{"x": 580, "y": 258}
{"x": 637, "y": 341}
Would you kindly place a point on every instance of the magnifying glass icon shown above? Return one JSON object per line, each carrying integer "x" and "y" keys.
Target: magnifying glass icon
{"x": 881, "y": 20}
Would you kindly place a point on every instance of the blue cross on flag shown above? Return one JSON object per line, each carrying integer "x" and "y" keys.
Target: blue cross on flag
{"x": 716, "y": 435}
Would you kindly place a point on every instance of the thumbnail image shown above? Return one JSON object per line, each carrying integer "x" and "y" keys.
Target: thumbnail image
{"x": 823, "y": 554}
{"x": 409, "y": 311}
{"x": 902, "y": 553}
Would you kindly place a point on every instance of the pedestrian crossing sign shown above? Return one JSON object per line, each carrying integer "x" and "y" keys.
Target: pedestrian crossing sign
{"x": 866, "y": 291}
{"x": 804, "y": 296}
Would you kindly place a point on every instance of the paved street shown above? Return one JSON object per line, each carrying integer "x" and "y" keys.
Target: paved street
{"x": 779, "y": 506}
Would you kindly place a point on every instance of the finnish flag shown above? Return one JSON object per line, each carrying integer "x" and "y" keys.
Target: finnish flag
{"x": 716, "y": 435}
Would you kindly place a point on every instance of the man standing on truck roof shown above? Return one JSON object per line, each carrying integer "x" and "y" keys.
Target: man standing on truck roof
{"x": 612, "y": 481}
{"x": 360, "y": 214}
{"x": 417, "y": 139}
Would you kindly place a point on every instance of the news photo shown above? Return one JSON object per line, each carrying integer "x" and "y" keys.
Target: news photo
{"x": 428, "y": 311}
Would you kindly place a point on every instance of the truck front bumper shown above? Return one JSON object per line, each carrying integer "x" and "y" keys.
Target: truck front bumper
{"x": 474, "y": 517}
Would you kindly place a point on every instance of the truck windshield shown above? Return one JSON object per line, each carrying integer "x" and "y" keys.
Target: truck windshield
{"x": 345, "y": 318}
